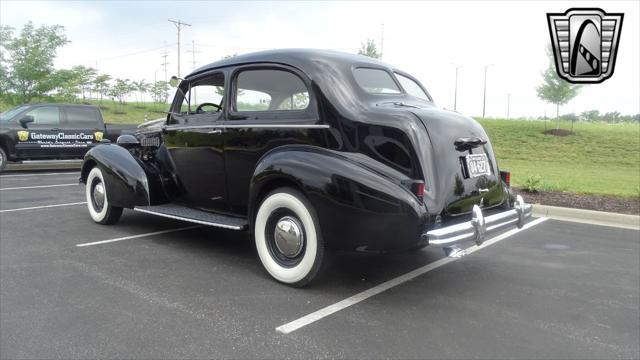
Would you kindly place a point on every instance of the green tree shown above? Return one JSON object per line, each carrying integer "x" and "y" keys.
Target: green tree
{"x": 141, "y": 87}
{"x": 369, "y": 49}
{"x": 85, "y": 77}
{"x": 6, "y": 34}
{"x": 555, "y": 90}
{"x": 120, "y": 89}
{"x": 159, "y": 91}
{"x": 101, "y": 85}
{"x": 67, "y": 84}
{"x": 591, "y": 115}
{"x": 30, "y": 61}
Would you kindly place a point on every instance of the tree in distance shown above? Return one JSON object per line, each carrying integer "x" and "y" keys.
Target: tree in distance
{"x": 369, "y": 49}
{"x": 555, "y": 90}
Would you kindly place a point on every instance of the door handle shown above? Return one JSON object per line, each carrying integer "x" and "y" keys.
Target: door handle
{"x": 215, "y": 131}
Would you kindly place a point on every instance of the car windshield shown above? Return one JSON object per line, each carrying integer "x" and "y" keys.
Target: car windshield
{"x": 5, "y": 116}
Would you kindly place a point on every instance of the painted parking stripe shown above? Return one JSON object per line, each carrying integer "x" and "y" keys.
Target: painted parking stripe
{"x": 42, "y": 207}
{"x": 341, "y": 305}
{"x": 46, "y": 174}
{"x": 37, "y": 187}
{"x": 138, "y": 236}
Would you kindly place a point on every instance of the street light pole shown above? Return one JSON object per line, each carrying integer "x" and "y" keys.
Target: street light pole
{"x": 508, "y": 104}
{"x": 455, "y": 91}
{"x": 484, "y": 96}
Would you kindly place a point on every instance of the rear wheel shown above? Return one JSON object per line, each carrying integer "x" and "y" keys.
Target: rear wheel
{"x": 3, "y": 159}
{"x": 100, "y": 209}
{"x": 288, "y": 238}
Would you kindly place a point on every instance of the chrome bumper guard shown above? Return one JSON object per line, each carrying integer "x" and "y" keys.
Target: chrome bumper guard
{"x": 474, "y": 230}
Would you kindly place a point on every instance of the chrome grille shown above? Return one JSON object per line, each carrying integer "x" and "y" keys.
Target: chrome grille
{"x": 150, "y": 141}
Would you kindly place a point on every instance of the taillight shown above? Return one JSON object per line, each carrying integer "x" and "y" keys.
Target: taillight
{"x": 418, "y": 188}
{"x": 506, "y": 177}
{"x": 415, "y": 186}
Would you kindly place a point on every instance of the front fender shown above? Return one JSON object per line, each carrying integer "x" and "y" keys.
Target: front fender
{"x": 126, "y": 182}
{"x": 361, "y": 204}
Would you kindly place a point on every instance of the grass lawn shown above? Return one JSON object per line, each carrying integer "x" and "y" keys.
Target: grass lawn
{"x": 598, "y": 159}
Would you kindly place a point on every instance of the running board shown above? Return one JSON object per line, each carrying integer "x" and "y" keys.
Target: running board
{"x": 184, "y": 213}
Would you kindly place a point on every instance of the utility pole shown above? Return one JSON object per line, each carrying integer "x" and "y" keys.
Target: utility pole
{"x": 508, "y": 104}
{"x": 484, "y": 96}
{"x": 164, "y": 63}
{"x": 455, "y": 91}
{"x": 193, "y": 65}
{"x": 179, "y": 25}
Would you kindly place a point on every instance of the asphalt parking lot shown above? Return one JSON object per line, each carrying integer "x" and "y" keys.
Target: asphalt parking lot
{"x": 554, "y": 290}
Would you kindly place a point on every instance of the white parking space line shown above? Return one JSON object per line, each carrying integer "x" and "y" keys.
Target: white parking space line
{"x": 341, "y": 305}
{"x": 38, "y": 187}
{"x": 46, "y": 174}
{"x": 42, "y": 207}
{"x": 138, "y": 236}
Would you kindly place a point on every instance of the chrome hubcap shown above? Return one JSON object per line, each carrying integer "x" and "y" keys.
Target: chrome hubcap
{"x": 98, "y": 195}
{"x": 288, "y": 237}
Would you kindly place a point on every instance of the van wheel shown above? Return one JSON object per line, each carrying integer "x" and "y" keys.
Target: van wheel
{"x": 3, "y": 159}
{"x": 288, "y": 238}
{"x": 97, "y": 199}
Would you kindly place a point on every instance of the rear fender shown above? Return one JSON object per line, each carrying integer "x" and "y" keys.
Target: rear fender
{"x": 126, "y": 181}
{"x": 358, "y": 206}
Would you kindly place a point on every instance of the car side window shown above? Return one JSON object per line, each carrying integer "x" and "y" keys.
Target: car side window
{"x": 270, "y": 90}
{"x": 411, "y": 87}
{"x": 45, "y": 115}
{"x": 81, "y": 116}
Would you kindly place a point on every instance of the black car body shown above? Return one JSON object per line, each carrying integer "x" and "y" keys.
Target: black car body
{"x": 53, "y": 131}
{"x": 375, "y": 165}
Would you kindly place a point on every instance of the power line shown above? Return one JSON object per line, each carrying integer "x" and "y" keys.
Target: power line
{"x": 133, "y": 53}
{"x": 179, "y": 25}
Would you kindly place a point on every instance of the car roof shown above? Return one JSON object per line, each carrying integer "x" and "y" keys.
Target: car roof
{"x": 304, "y": 59}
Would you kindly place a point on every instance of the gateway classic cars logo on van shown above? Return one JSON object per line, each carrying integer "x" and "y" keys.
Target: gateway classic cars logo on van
{"x": 23, "y": 135}
{"x": 585, "y": 44}
{"x": 59, "y": 137}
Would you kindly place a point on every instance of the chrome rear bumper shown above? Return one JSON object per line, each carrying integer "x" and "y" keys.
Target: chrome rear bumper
{"x": 474, "y": 230}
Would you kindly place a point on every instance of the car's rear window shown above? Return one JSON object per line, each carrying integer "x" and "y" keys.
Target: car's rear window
{"x": 375, "y": 81}
{"x": 411, "y": 87}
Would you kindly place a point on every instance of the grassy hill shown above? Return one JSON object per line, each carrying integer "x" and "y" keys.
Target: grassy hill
{"x": 598, "y": 159}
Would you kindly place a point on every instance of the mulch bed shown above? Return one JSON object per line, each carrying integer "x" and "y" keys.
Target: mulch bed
{"x": 624, "y": 205}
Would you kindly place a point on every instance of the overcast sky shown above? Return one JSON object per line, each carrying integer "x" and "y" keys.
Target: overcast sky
{"x": 126, "y": 40}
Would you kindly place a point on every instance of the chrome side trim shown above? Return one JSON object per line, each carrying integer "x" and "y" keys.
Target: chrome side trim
{"x": 475, "y": 229}
{"x": 225, "y": 226}
{"x": 248, "y": 126}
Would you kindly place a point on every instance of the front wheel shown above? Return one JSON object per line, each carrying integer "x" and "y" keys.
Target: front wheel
{"x": 288, "y": 237}
{"x": 100, "y": 209}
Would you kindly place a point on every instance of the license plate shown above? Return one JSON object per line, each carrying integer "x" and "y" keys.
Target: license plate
{"x": 478, "y": 165}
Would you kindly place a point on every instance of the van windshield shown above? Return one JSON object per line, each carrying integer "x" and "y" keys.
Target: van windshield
{"x": 5, "y": 116}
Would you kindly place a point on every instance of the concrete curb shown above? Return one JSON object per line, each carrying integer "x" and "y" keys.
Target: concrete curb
{"x": 588, "y": 216}
{"x": 44, "y": 165}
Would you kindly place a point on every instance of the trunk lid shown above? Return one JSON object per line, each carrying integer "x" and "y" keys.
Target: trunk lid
{"x": 460, "y": 150}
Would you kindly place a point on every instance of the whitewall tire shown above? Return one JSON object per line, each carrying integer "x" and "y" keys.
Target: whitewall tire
{"x": 288, "y": 238}
{"x": 3, "y": 159}
{"x": 100, "y": 209}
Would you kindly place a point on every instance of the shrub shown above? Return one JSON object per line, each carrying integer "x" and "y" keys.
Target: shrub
{"x": 533, "y": 183}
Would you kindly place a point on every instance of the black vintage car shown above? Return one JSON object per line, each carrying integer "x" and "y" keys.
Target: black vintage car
{"x": 308, "y": 150}
{"x": 53, "y": 132}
